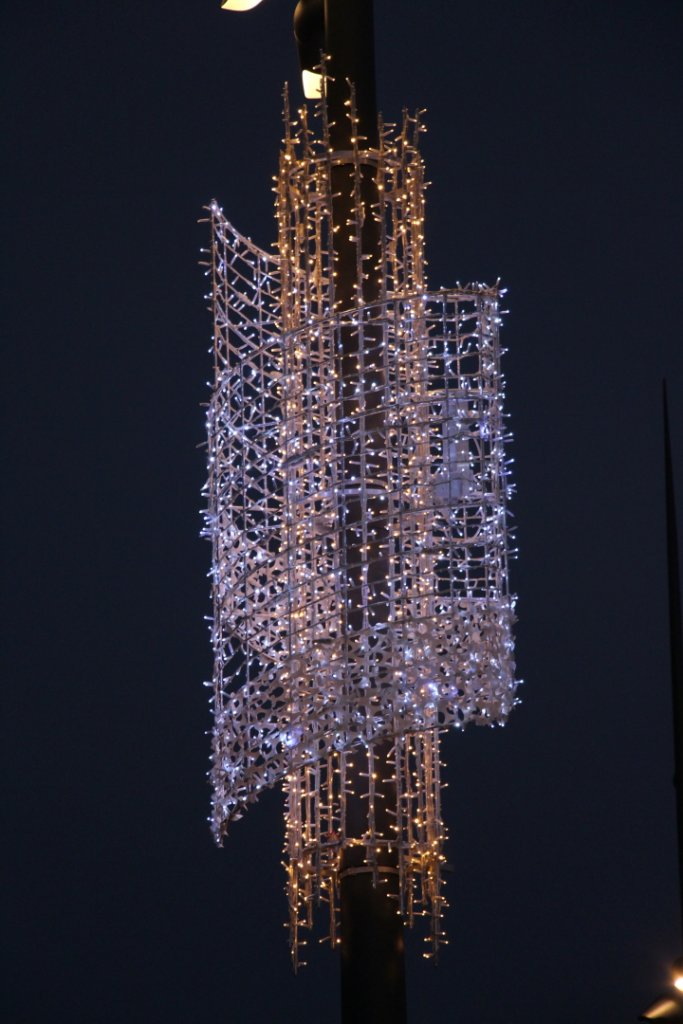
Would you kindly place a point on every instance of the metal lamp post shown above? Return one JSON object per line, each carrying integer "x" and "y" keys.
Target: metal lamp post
{"x": 372, "y": 943}
{"x": 670, "y": 1007}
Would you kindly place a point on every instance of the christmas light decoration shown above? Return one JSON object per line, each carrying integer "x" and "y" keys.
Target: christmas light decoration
{"x": 357, "y": 512}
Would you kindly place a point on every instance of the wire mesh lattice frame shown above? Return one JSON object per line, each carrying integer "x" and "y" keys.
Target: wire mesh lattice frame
{"x": 357, "y": 512}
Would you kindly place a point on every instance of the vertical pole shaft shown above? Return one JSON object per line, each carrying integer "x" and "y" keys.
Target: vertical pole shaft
{"x": 372, "y": 943}
{"x": 676, "y": 641}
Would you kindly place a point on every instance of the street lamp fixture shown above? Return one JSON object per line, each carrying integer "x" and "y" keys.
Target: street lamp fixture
{"x": 309, "y": 32}
{"x": 670, "y": 1006}
{"x": 677, "y": 974}
{"x": 239, "y": 5}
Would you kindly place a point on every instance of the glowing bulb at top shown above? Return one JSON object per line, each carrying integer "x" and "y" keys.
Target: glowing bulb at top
{"x": 239, "y": 5}
{"x": 312, "y": 83}
{"x": 678, "y": 974}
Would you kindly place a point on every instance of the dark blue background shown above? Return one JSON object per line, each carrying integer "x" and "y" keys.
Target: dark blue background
{"x": 555, "y": 152}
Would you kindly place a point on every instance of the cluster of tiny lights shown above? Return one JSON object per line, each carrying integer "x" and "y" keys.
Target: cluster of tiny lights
{"x": 357, "y": 513}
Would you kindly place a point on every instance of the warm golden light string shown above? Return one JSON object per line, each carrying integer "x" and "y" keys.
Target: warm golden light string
{"x": 303, "y": 679}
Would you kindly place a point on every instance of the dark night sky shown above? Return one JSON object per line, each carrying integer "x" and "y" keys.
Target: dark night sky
{"x": 555, "y": 152}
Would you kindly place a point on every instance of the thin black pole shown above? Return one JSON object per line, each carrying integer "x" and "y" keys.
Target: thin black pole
{"x": 676, "y": 640}
{"x": 372, "y": 943}
{"x": 670, "y": 1007}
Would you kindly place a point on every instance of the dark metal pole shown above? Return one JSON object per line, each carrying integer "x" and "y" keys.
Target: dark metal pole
{"x": 372, "y": 943}
{"x": 676, "y": 640}
{"x": 350, "y": 46}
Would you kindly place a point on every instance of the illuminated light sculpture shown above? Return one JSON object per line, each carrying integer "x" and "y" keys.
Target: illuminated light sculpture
{"x": 357, "y": 512}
